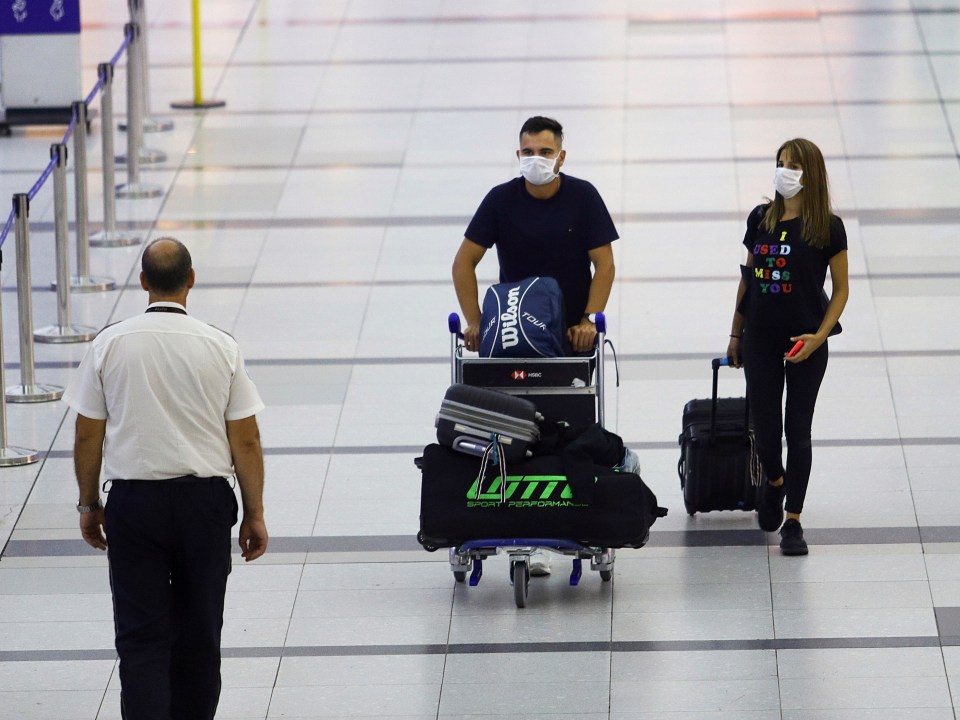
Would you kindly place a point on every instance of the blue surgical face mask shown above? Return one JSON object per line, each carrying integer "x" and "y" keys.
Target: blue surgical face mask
{"x": 787, "y": 182}
{"x": 538, "y": 170}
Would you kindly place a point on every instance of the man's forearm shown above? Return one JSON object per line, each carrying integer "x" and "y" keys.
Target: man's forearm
{"x": 600, "y": 288}
{"x": 86, "y": 463}
{"x": 249, "y": 472}
{"x": 88, "y": 457}
{"x": 465, "y": 285}
{"x": 248, "y": 466}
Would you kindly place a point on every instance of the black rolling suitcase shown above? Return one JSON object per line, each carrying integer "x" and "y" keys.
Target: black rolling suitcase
{"x": 718, "y": 467}
{"x": 469, "y": 416}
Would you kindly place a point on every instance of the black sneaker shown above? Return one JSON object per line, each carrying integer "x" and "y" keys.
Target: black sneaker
{"x": 770, "y": 507}
{"x": 791, "y": 539}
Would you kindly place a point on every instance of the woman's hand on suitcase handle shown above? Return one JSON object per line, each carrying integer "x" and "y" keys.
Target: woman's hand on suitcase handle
{"x": 733, "y": 352}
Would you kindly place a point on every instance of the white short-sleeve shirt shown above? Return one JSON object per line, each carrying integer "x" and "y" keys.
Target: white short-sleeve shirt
{"x": 166, "y": 384}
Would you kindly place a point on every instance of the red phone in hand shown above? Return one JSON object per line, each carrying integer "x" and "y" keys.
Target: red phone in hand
{"x": 795, "y": 349}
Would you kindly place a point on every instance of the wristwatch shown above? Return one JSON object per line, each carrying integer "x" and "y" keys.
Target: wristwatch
{"x": 98, "y": 505}
{"x": 592, "y": 317}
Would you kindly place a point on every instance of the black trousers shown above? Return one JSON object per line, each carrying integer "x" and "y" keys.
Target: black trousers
{"x": 766, "y": 374}
{"x": 169, "y": 555}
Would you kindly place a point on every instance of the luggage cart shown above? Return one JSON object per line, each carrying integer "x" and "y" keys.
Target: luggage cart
{"x": 562, "y": 388}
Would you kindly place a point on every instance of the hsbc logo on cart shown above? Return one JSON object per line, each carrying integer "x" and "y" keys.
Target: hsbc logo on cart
{"x": 523, "y": 491}
{"x": 523, "y": 375}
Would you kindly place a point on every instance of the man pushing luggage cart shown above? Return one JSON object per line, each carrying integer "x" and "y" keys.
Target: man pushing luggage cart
{"x": 502, "y": 500}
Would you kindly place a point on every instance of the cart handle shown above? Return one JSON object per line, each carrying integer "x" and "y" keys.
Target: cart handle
{"x": 453, "y": 323}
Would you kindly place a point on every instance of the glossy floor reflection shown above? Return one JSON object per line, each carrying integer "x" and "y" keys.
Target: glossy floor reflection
{"x": 323, "y": 206}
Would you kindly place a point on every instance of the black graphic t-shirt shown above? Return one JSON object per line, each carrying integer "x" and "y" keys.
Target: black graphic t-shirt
{"x": 785, "y": 284}
{"x": 546, "y": 238}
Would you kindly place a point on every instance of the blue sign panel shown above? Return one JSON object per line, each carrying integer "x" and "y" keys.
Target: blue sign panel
{"x": 39, "y": 17}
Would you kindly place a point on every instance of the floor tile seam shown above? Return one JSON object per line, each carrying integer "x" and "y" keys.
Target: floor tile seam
{"x": 936, "y": 83}
{"x": 437, "y": 282}
{"x": 633, "y": 160}
{"x": 466, "y": 60}
{"x": 641, "y": 445}
{"x": 366, "y": 544}
{"x": 712, "y": 18}
{"x": 867, "y": 216}
{"x": 580, "y": 107}
{"x": 445, "y": 360}
{"x": 614, "y": 646}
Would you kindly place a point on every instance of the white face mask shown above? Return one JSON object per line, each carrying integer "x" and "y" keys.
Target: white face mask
{"x": 538, "y": 170}
{"x": 787, "y": 182}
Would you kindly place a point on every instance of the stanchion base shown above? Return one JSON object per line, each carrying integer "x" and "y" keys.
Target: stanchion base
{"x": 194, "y": 105}
{"x": 10, "y": 456}
{"x": 147, "y": 157}
{"x": 60, "y": 334}
{"x": 88, "y": 284}
{"x": 135, "y": 191}
{"x": 150, "y": 125}
{"x": 113, "y": 239}
{"x": 33, "y": 393}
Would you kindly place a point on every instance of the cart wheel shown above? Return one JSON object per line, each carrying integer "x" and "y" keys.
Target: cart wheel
{"x": 520, "y": 577}
{"x": 459, "y": 575}
{"x": 605, "y": 575}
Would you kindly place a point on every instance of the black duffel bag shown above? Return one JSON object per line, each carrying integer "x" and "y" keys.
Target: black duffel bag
{"x": 456, "y": 505}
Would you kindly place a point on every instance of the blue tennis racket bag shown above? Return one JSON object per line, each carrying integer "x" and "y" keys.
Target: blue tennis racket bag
{"x": 522, "y": 319}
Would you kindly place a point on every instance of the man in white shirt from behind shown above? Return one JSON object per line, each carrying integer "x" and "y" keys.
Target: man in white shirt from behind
{"x": 165, "y": 405}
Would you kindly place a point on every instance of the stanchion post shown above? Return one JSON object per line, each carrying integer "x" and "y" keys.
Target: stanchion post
{"x": 197, "y": 103}
{"x": 134, "y": 188}
{"x": 147, "y": 156}
{"x": 109, "y": 236}
{"x": 63, "y": 331}
{"x": 138, "y": 15}
{"x": 28, "y": 390}
{"x": 9, "y": 455}
{"x": 83, "y": 281}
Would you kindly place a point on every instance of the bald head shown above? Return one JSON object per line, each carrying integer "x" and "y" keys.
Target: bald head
{"x": 167, "y": 268}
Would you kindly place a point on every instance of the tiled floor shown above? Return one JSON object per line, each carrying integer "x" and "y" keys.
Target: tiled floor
{"x": 323, "y": 206}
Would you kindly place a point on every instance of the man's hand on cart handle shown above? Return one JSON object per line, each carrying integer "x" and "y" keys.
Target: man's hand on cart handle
{"x": 582, "y": 335}
{"x": 471, "y": 337}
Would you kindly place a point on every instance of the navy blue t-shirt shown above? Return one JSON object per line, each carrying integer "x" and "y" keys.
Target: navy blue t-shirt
{"x": 785, "y": 284}
{"x": 546, "y": 238}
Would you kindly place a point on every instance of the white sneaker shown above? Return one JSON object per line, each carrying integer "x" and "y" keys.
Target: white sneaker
{"x": 630, "y": 462}
{"x": 539, "y": 563}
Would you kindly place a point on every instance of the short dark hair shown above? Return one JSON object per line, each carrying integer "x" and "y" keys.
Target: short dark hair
{"x": 538, "y": 123}
{"x": 166, "y": 271}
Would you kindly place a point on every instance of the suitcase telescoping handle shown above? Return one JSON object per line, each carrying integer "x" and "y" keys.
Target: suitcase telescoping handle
{"x": 453, "y": 324}
{"x": 716, "y": 364}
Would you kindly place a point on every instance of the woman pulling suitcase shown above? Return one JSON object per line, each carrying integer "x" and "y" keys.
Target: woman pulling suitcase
{"x": 781, "y": 324}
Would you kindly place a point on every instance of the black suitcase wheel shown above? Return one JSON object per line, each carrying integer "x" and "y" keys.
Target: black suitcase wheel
{"x": 428, "y": 548}
{"x": 605, "y": 575}
{"x": 459, "y": 575}
{"x": 521, "y": 576}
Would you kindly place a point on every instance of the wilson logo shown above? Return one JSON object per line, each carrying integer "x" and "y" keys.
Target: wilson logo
{"x": 523, "y": 491}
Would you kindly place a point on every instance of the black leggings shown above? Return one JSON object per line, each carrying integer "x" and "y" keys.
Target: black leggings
{"x": 765, "y": 371}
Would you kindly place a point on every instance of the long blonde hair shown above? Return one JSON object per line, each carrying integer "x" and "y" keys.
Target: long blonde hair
{"x": 815, "y": 211}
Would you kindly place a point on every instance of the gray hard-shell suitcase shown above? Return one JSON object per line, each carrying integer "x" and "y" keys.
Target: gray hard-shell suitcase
{"x": 469, "y": 416}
